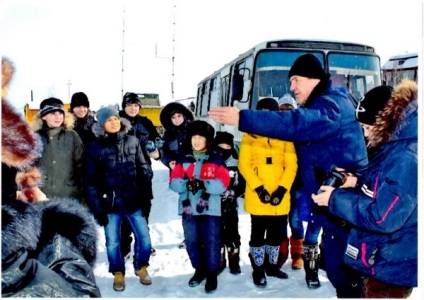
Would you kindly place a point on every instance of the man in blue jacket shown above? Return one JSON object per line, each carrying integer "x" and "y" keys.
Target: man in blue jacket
{"x": 325, "y": 133}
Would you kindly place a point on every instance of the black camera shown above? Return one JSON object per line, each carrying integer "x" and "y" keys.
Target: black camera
{"x": 334, "y": 178}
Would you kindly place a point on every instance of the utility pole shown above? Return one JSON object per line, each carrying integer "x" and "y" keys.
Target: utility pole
{"x": 173, "y": 53}
{"x": 123, "y": 51}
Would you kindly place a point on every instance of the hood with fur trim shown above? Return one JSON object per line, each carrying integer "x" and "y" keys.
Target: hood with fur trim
{"x": 30, "y": 227}
{"x": 20, "y": 146}
{"x": 68, "y": 122}
{"x": 394, "y": 121}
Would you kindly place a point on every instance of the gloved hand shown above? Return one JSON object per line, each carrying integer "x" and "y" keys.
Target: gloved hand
{"x": 229, "y": 195}
{"x": 187, "y": 210}
{"x": 159, "y": 143}
{"x": 263, "y": 194}
{"x": 150, "y": 147}
{"x": 203, "y": 202}
{"x": 101, "y": 219}
{"x": 278, "y": 195}
{"x": 194, "y": 185}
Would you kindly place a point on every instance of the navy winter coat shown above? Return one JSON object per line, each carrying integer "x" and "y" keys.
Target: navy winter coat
{"x": 384, "y": 211}
{"x": 325, "y": 133}
{"x": 117, "y": 174}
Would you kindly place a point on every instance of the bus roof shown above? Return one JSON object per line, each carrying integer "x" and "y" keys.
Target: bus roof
{"x": 402, "y": 61}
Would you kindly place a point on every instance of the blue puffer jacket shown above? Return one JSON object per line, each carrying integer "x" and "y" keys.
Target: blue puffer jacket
{"x": 211, "y": 169}
{"x": 383, "y": 243}
{"x": 325, "y": 132}
{"x": 117, "y": 174}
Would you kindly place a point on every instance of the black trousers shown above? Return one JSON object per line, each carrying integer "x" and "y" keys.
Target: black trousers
{"x": 268, "y": 230}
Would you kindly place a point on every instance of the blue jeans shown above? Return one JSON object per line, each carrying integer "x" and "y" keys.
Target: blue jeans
{"x": 142, "y": 245}
{"x": 295, "y": 220}
{"x": 203, "y": 241}
{"x": 312, "y": 234}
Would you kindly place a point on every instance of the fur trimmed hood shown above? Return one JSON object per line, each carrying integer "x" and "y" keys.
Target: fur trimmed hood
{"x": 20, "y": 146}
{"x": 68, "y": 121}
{"x": 30, "y": 227}
{"x": 392, "y": 122}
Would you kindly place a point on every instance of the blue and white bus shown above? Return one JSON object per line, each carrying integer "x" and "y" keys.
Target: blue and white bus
{"x": 263, "y": 70}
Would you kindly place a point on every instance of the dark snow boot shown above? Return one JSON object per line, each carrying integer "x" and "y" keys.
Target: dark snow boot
{"x": 211, "y": 282}
{"x": 198, "y": 277}
{"x": 234, "y": 260}
{"x": 283, "y": 253}
{"x": 223, "y": 262}
{"x": 257, "y": 255}
{"x": 311, "y": 265}
{"x": 271, "y": 266}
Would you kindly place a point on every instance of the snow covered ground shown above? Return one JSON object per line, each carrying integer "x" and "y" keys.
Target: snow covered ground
{"x": 171, "y": 270}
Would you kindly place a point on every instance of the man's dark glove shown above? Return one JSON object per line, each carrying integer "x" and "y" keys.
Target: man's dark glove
{"x": 187, "y": 211}
{"x": 203, "y": 202}
{"x": 278, "y": 195}
{"x": 101, "y": 219}
{"x": 263, "y": 194}
{"x": 194, "y": 185}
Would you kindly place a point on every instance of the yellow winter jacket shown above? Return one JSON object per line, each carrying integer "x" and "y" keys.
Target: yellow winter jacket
{"x": 271, "y": 163}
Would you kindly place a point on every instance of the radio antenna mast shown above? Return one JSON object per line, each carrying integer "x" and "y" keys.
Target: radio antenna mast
{"x": 123, "y": 51}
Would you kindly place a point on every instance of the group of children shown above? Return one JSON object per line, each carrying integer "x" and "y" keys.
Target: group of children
{"x": 111, "y": 172}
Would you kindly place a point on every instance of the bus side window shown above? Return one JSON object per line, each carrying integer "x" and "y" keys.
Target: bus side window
{"x": 237, "y": 91}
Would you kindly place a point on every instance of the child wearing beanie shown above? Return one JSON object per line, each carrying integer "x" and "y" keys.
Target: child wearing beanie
{"x": 199, "y": 177}
{"x": 80, "y": 108}
{"x": 62, "y": 156}
{"x": 269, "y": 167}
{"x": 230, "y": 237}
{"x": 116, "y": 175}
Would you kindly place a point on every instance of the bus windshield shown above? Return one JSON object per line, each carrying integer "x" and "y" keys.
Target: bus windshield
{"x": 358, "y": 73}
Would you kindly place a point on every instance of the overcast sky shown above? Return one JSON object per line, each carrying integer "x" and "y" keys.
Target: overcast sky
{"x": 62, "y": 47}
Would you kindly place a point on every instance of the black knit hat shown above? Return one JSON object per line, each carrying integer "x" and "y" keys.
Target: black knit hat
{"x": 373, "y": 102}
{"x": 202, "y": 128}
{"x": 50, "y": 105}
{"x": 130, "y": 98}
{"x": 268, "y": 104}
{"x": 79, "y": 99}
{"x": 308, "y": 65}
{"x": 223, "y": 137}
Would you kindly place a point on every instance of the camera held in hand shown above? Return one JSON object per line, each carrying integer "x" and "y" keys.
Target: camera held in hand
{"x": 334, "y": 178}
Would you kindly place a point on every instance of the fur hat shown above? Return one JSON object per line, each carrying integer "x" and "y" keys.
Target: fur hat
{"x": 130, "y": 98}
{"x": 169, "y": 110}
{"x": 223, "y": 137}
{"x": 50, "y": 105}
{"x": 287, "y": 99}
{"x": 373, "y": 102}
{"x": 267, "y": 104}
{"x": 308, "y": 65}
{"x": 202, "y": 128}
{"x": 105, "y": 113}
{"x": 79, "y": 99}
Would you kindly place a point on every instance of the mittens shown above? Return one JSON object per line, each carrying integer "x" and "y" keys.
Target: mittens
{"x": 263, "y": 194}
{"x": 278, "y": 195}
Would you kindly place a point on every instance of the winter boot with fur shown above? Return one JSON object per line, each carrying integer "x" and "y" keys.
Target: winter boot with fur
{"x": 271, "y": 259}
{"x": 234, "y": 260}
{"x": 119, "y": 282}
{"x": 296, "y": 251}
{"x": 223, "y": 262}
{"x": 283, "y": 253}
{"x": 144, "y": 276}
{"x": 211, "y": 282}
{"x": 311, "y": 264}
{"x": 257, "y": 256}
